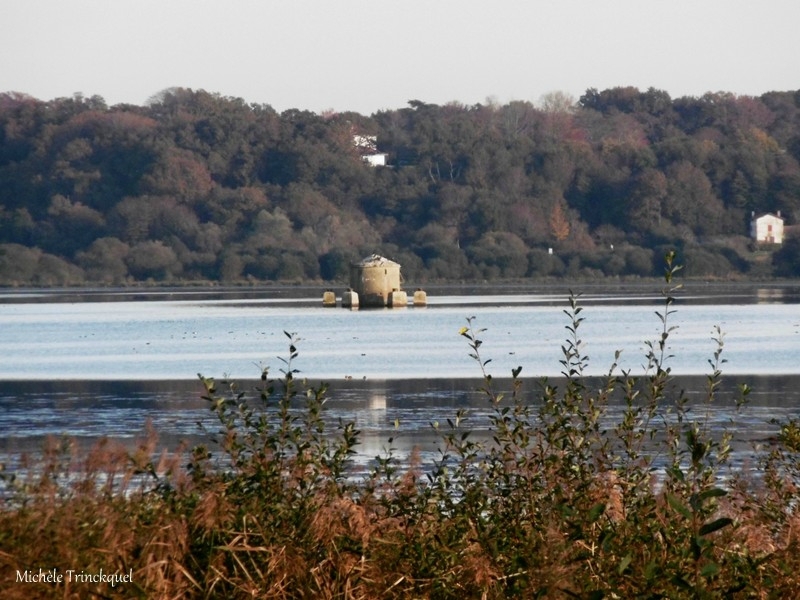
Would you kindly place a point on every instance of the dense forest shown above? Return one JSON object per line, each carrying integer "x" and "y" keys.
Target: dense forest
{"x": 196, "y": 187}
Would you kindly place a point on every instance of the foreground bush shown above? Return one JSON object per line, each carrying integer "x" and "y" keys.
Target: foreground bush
{"x": 562, "y": 502}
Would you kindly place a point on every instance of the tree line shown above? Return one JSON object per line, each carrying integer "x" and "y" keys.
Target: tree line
{"x": 196, "y": 186}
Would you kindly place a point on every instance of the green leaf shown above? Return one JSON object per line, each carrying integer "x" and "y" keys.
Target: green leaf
{"x": 677, "y": 473}
{"x": 712, "y": 493}
{"x": 715, "y": 525}
{"x": 624, "y": 563}
{"x": 596, "y": 511}
{"x": 678, "y": 506}
{"x": 710, "y": 570}
{"x": 682, "y": 583}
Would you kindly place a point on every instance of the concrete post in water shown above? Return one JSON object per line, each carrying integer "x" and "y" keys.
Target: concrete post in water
{"x": 350, "y": 299}
{"x": 398, "y": 299}
{"x": 420, "y": 298}
{"x": 329, "y": 298}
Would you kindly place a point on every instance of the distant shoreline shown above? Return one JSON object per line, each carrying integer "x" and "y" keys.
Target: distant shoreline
{"x": 313, "y": 291}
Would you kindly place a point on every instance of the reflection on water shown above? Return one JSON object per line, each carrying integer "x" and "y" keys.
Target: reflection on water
{"x": 770, "y": 295}
{"x": 404, "y": 410}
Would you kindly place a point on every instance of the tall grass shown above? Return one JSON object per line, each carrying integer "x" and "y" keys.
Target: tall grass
{"x": 561, "y": 501}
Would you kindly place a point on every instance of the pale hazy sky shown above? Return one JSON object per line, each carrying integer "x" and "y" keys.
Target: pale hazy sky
{"x": 369, "y": 55}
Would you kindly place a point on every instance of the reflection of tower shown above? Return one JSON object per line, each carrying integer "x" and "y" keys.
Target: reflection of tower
{"x": 375, "y": 415}
{"x": 377, "y": 401}
{"x": 769, "y": 296}
{"x": 372, "y": 423}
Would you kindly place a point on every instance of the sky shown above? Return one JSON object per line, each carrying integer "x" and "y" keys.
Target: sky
{"x": 365, "y": 56}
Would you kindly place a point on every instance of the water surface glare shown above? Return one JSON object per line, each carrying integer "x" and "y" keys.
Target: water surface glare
{"x": 177, "y": 339}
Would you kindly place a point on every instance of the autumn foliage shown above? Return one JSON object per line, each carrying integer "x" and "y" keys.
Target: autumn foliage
{"x": 196, "y": 186}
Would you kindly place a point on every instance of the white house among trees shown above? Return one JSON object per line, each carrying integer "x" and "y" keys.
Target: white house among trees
{"x": 767, "y": 228}
{"x": 368, "y": 148}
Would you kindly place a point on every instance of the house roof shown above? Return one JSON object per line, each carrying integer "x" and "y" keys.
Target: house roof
{"x": 375, "y": 260}
{"x": 761, "y": 216}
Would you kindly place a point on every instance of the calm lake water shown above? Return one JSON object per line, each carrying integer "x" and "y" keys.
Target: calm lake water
{"x": 102, "y": 364}
{"x": 174, "y": 339}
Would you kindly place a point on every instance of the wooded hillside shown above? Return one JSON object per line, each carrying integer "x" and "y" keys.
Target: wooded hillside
{"x": 196, "y": 186}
